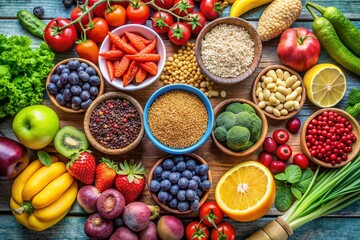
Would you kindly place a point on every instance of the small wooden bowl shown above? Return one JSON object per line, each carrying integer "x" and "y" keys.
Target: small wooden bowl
{"x": 292, "y": 72}
{"x": 52, "y": 98}
{"x": 355, "y": 146}
{"x": 162, "y": 205}
{"x": 92, "y": 107}
{"x": 257, "y": 49}
{"x": 220, "y": 108}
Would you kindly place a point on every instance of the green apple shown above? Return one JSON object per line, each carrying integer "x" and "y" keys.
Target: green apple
{"x": 35, "y": 126}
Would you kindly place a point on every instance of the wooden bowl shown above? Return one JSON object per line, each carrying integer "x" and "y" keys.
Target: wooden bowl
{"x": 221, "y": 108}
{"x": 52, "y": 98}
{"x": 257, "y": 49}
{"x": 162, "y": 205}
{"x": 355, "y": 146}
{"x": 292, "y": 72}
{"x": 90, "y": 137}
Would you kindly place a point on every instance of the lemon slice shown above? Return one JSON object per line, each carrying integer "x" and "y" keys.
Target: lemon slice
{"x": 325, "y": 85}
{"x": 246, "y": 192}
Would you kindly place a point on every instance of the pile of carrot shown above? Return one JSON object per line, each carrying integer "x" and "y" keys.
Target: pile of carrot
{"x": 130, "y": 57}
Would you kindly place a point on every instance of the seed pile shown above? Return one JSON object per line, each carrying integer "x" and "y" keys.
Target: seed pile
{"x": 227, "y": 50}
{"x": 115, "y": 123}
{"x": 178, "y": 119}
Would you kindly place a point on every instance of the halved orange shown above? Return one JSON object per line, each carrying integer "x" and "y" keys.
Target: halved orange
{"x": 246, "y": 192}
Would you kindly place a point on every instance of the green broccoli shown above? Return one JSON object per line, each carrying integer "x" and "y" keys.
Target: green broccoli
{"x": 353, "y": 103}
{"x": 256, "y": 127}
{"x": 237, "y": 137}
{"x": 353, "y": 110}
{"x": 226, "y": 119}
{"x": 247, "y": 146}
{"x": 235, "y": 107}
{"x": 220, "y": 133}
{"x": 244, "y": 119}
{"x": 248, "y": 108}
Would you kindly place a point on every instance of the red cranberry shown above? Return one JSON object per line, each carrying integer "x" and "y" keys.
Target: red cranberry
{"x": 293, "y": 125}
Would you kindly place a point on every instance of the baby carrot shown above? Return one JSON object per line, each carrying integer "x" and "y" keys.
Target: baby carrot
{"x": 150, "y": 67}
{"x": 110, "y": 68}
{"x": 140, "y": 75}
{"x": 112, "y": 54}
{"x": 123, "y": 66}
{"x": 135, "y": 41}
{"x": 144, "y": 57}
{"x": 149, "y": 48}
{"x": 116, "y": 67}
{"x": 129, "y": 76}
{"x": 122, "y": 44}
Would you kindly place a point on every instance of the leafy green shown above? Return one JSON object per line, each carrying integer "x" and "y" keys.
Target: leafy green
{"x": 293, "y": 173}
{"x": 305, "y": 180}
{"x": 283, "y": 198}
{"x": 22, "y": 73}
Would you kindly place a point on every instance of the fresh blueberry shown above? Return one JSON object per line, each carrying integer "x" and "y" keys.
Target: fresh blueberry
{"x": 163, "y": 196}
{"x": 75, "y": 90}
{"x": 54, "y": 78}
{"x": 154, "y": 186}
{"x": 73, "y": 64}
{"x": 197, "y": 169}
{"x": 203, "y": 169}
{"x": 186, "y": 174}
{"x": 81, "y": 83}
{"x": 68, "y": 104}
{"x": 174, "y": 189}
{"x": 157, "y": 178}
{"x": 60, "y": 99}
{"x": 203, "y": 178}
{"x": 173, "y": 177}
{"x": 170, "y": 197}
{"x": 181, "y": 195}
{"x": 178, "y": 175}
{"x": 181, "y": 166}
{"x": 183, "y": 183}
{"x": 173, "y": 203}
{"x": 67, "y": 86}
{"x": 199, "y": 192}
{"x": 93, "y": 91}
{"x": 168, "y": 164}
{"x": 86, "y": 104}
{"x": 165, "y": 185}
{"x": 205, "y": 185}
{"x": 190, "y": 165}
{"x": 194, "y": 205}
{"x": 190, "y": 194}
{"x": 174, "y": 169}
{"x": 80, "y": 68}
{"x": 76, "y": 100}
{"x": 85, "y": 95}
{"x": 65, "y": 70}
{"x": 59, "y": 84}
{"x": 62, "y": 90}
{"x": 60, "y": 68}
{"x": 178, "y": 158}
{"x": 193, "y": 184}
{"x": 158, "y": 171}
{"x": 67, "y": 94}
{"x": 183, "y": 206}
{"x": 94, "y": 80}
{"x": 197, "y": 198}
{"x": 75, "y": 107}
{"x": 196, "y": 178}
{"x": 84, "y": 76}
{"x": 64, "y": 77}
{"x": 165, "y": 174}
{"x": 74, "y": 78}
{"x": 85, "y": 86}
{"x": 84, "y": 65}
{"x": 90, "y": 71}
{"x": 52, "y": 88}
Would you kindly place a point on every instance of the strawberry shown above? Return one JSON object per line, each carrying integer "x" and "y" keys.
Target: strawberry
{"x": 105, "y": 174}
{"x": 131, "y": 180}
{"x": 82, "y": 166}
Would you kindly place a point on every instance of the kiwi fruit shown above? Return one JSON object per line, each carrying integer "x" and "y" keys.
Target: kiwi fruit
{"x": 70, "y": 140}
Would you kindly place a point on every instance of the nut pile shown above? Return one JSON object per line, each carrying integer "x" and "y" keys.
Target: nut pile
{"x": 183, "y": 68}
{"x": 278, "y": 92}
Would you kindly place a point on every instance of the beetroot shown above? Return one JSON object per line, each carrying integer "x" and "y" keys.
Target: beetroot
{"x": 149, "y": 233}
{"x": 170, "y": 228}
{"x": 98, "y": 227}
{"x": 137, "y": 215}
{"x": 110, "y": 204}
{"x": 87, "y": 198}
{"x": 123, "y": 233}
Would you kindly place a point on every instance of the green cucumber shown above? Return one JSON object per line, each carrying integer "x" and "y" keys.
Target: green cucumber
{"x": 345, "y": 29}
{"x": 31, "y": 23}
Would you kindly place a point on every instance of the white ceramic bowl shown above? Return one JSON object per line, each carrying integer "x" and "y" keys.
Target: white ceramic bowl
{"x": 145, "y": 32}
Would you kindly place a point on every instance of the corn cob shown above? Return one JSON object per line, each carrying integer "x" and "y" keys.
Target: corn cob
{"x": 278, "y": 17}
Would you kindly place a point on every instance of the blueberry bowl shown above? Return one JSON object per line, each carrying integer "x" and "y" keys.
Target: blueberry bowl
{"x": 73, "y": 84}
{"x": 178, "y": 118}
{"x": 168, "y": 177}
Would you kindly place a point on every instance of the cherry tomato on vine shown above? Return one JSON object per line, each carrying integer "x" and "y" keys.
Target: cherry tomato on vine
{"x": 225, "y": 228}
{"x": 137, "y": 12}
{"x": 179, "y": 33}
{"x": 100, "y": 9}
{"x": 161, "y": 21}
{"x": 99, "y": 31}
{"x": 196, "y": 22}
{"x": 183, "y": 7}
{"x": 76, "y": 13}
{"x": 212, "y": 210}
{"x": 88, "y": 49}
{"x": 60, "y": 40}
{"x": 167, "y": 4}
{"x": 196, "y": 231}
{"x": 211, "y": 8}
{"x": 116, "y": 16}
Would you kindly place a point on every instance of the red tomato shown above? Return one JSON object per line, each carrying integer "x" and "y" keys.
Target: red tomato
{"x": 183, "y": 7}
{"x": 99, "y": 31}
{"x": 161, "y": 21}
{"x": 167, "y": 4}
{"x": 212, "y": 210}
{"x": 88, "y": 50}
{"x": 179, "y": 33}
{"x": 211, "y": 9}
{"x": 226, "y": 229}
{"x": 76, "y": 13}
{"x": 138, "y": 13}
{"x": 196, "y": 231}
{"x": 116, "y": 17}
{"x": 196, "y": 22}
{"x": 299, "y": 49}
{"x": 63, "y": 40}
{"x": 99, "y": 10}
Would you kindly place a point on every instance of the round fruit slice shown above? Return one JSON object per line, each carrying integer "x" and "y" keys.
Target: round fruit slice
{"x": 246, "y": 192}
{"x": 69, "y": 140}
{"x": 325, "y": 85}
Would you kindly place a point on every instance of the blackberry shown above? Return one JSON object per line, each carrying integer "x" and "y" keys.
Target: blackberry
{"x": 38, "y": 11}
{"x": 67, "y": 3}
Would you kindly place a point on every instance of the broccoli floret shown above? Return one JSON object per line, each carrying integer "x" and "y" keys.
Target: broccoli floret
{"x": 237, "y": 137}
{"x": 248, "y": 108}
{"x": 244, "y": 119}
{"x": 235, "y": 107}
{"x": 353, "y": 98}
{"x": 354, "y": 110}
{"x": 220, "y": 133}
{"x": 226, "y": 119}
{"x": 247, "y": 146}
{"x": 256, "y": 127}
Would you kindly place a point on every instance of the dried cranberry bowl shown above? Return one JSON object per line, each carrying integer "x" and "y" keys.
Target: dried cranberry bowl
{"x": 330, "y": 138}
{"x": 113, "y": 123}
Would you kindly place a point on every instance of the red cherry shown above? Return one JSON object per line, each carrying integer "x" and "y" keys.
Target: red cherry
{"x": 284, "y": 152}
{"x": 281, "y": 136}
{"x": 265, "y": 159}
{"x": 269, "y": 145}
{"x": 293, "y": 125}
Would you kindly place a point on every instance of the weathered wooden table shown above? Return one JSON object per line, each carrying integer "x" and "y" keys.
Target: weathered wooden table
{"x": 344, "y": 224}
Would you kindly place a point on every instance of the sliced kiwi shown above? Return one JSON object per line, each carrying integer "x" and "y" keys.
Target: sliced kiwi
{"x": 69, "y": 140}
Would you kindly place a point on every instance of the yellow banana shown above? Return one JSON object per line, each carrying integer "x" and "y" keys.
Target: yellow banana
{"x": 60, "y": 206}
{"x": 242, "y": 6}
{"x": 52, "y": 191}
{"x": 42, "y": 178}
{"x": 37, "y": 225}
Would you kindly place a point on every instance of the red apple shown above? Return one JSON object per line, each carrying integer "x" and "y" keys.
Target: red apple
{"x": 298, "y": 48}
